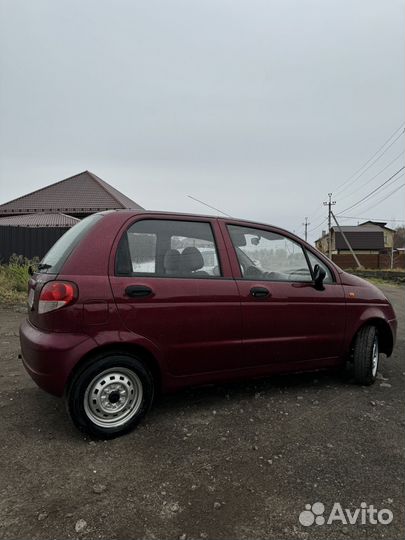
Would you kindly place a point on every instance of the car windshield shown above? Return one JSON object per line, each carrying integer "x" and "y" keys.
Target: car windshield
{"x": 59, "y": 252}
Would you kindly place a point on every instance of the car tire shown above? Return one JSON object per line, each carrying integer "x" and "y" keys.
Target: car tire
{"x": 366, "y": 355}
{"x": 110, "y": 395}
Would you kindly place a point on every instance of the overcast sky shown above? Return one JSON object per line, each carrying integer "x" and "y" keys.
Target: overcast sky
{"x": 259, "y": 108}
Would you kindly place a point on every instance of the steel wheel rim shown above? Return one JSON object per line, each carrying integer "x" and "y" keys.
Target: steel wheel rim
{"x": 113, "y": 397}
{"x": 374, "y": 358}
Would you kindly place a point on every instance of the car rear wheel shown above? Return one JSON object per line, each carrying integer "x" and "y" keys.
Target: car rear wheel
{"x": 366, "y": 355}
{"x": 109, "y": 396}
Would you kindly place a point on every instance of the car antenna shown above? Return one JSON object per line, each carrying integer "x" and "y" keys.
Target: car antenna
{"x": 208, "y": 205}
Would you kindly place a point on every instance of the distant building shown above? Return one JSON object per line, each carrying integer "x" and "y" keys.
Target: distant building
{"x": 372, "y": 241}
{"x": 31, "y": 224}
{"x": 370, "y": 237}
{"x": 388, "y": 233}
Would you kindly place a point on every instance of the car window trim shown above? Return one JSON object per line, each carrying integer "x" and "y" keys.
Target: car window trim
{"x": 283, "y": 233}
{"x": 279, "y": 234}
{"x": 332, "y": 273}
{"x": 154, "y": 276}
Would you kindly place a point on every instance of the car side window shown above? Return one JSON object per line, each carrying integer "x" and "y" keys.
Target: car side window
{"x": 168, "y": 248}
{"x": 314, "y": 260}
{"x": 265, "y": 255}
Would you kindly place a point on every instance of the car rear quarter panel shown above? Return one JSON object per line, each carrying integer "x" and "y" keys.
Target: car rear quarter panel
{"x": 49, "y": 357}
{"x": 95, "y": 313}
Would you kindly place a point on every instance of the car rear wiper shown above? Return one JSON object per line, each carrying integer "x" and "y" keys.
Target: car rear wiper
{"x": 44, "y": 266}
{"x": 39, "y": 267}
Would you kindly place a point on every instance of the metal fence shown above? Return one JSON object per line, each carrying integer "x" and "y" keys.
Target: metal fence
{"x": 29, "y": 242}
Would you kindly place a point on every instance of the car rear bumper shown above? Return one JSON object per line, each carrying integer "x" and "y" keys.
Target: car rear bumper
{"x": 49, "y": 357}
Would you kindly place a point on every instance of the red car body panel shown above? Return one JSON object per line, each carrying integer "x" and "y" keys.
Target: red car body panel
{"x": 195, "y": 331}
{"x": 296, "y": 323}
{"x": 49, "y": 357}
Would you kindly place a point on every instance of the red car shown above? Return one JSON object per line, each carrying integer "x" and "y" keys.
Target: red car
{"x": 128, "y": 303}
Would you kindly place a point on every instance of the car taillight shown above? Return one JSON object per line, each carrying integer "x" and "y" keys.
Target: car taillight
{"x": 55, "y": 295}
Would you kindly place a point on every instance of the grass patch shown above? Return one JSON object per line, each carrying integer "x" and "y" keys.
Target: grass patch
{"x": 380, "y": 281}
{"x": 388, "y": 271}
{"x": 394, "y": 276}
{"x": 14, "y": 278}
{"x": 377, "y": 281}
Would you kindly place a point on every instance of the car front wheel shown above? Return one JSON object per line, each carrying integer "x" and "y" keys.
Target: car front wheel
{"x": 366, "y": 355}
{"x": 109, "y": 396}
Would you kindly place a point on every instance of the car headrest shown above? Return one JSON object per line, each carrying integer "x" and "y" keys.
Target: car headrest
{"x": 191, "y": 259}
{"x": 171, "y": 261}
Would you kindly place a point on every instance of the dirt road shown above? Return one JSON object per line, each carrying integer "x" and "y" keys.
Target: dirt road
{"x": 231, "y": 461}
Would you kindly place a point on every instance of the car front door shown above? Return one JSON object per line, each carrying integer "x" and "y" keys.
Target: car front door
{"x": 285, "y": 319}
{"x": 173, "y": 286}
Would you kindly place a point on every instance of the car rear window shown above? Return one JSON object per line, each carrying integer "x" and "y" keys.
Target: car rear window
{"x": 59, "y": 252}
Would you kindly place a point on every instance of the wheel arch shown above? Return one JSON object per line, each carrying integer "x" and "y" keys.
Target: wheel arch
{"x": 129, "y": 349}
{"x": 386, "y": 339}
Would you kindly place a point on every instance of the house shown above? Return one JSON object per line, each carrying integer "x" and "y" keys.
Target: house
{"x": 382, "y": 225}
{"x": 372, "y": 241}
{"x": 370, "y": 237}
{"x": 362, "y": 239}
{"x": 31, "y": 224}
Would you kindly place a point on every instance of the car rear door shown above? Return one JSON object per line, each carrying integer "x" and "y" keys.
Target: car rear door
{"x": 285, "y": 319}
{"x": 172, "y": 283}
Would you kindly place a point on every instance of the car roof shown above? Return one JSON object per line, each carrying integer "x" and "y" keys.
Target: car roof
{"x": 189, "y": 214}
{"x": 135, "y": 212}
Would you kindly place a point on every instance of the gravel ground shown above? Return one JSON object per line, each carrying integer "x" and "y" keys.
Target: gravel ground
{"x": 230, "y": 461}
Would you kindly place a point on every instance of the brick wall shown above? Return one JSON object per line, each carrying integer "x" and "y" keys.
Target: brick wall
{"x": 380, "y": 261}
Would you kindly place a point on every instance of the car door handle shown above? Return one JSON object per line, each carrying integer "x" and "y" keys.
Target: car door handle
{"x": 138, "y": 291}
{"x": 260, "y": 292}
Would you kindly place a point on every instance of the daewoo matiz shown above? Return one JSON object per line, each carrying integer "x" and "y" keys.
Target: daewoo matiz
{"x": 128, "y": 303}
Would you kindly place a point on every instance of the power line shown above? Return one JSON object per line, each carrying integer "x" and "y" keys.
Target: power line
{"x": 316, "y": 212}
{"x": 373, "y": 162}
{"x": 373, "y": 177}
{"x": 383, "y": 199}
{"x": 374, "y": 190}
{"x": 317, "y": 226}
{"x": 384, "y": 186}
{"x": 372, "y": 219}
{"x": 338, "y": 189}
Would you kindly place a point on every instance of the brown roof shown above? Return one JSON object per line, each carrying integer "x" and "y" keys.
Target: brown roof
{"x": 379, "y": 224}
{"x": 356, "y": 228}
{"x": 83, "y": 193}
{"x": 39, "y": 220}
{"x": 360, "y": 238}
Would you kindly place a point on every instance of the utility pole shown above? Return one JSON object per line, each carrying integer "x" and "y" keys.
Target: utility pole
{"x": 329, "y": 204}
{"x": 306, "y": 228}
{"x": 347, "y": 241}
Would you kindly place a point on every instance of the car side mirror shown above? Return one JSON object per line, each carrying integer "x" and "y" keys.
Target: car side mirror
{"x": 319, "y": 276}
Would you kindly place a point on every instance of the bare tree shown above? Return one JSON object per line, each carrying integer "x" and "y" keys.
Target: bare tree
{"x": 399, "y": 237}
